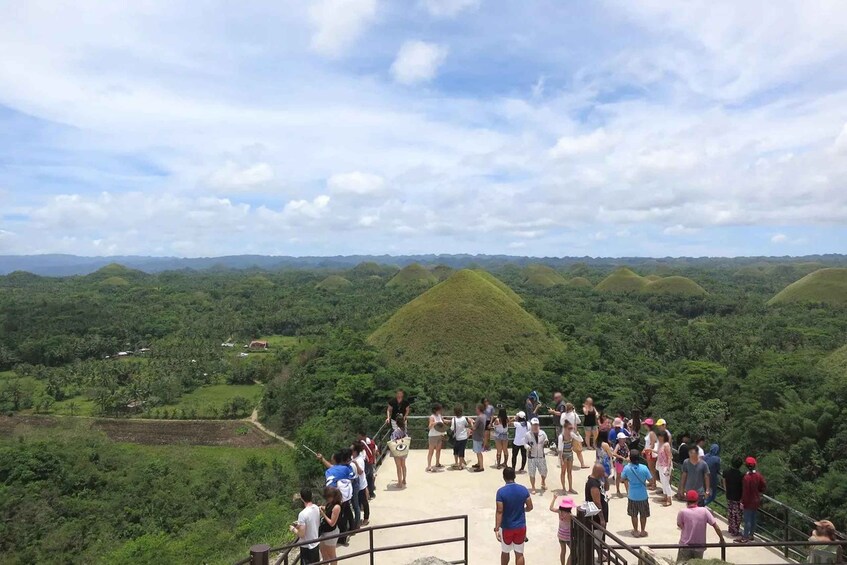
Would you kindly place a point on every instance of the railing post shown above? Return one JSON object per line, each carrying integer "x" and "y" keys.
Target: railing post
{"x": 583, "y": 546}
{"x": 723, "y": 549}
{"x": 371, "y": 542}
{"x": 466, "y": 539}
{"x": 260, "y": 554}
{"x": 786, "y": 528}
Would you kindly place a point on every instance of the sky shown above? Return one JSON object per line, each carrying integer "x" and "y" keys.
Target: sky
{"x": 334, "y": 127}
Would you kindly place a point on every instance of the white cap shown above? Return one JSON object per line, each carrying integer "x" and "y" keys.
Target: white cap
{"x": 622, "y": 435}
{"x": 534, "y": 421}
{"x": 521, "y": 414}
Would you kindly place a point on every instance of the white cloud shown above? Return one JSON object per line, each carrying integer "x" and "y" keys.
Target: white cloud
{"x": 356, "y": 183}
{"x": 840, "y": 144}
{"x": 679, "y": 229}
{"x": 338, "y": 23}
{"x": 418, "y": 61}
{"x": 449, "y": 8}
{"x": 569, "y": 146}
{"x": 233, "y": 177}
{"x": 779, "y": 238}
{"x": 313, "y": 209}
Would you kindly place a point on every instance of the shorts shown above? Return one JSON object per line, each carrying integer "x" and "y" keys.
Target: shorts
{"x": 512, "y": 540}
{"x": 459, "y": 446}
{"x": 618, "y": 468}
{"x": 590, "y": 429}
{"x": 435, "y": 441}
{"x": 309, "y": 555}
{"x": 567, "y": 456}
{"x": 686, "y": 554}
{"x": 537, "y": 464}
{"x": 501, "y": 437}
{"x": 648, "y": 454}
{"x": 477, "y": 446}
{"x": 638, "y": 507}
{"x": 331, "y": 542}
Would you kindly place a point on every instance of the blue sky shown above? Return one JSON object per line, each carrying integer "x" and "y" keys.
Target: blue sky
{"x": 423, "y": 126}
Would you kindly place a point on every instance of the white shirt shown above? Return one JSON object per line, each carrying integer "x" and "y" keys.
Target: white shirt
{"x": 571, "y": 417}
{"x": 363, "y": 479}
{"x": 536, "y": 446}
{"x": 520, "y": 433}
{"x": 459, "y": 425}
{"x": 311, "y": 518}
{"x": 432, "y": 431}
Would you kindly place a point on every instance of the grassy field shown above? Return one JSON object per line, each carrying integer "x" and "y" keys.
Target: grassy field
{"x": 412, "y": 276}
{"x": 210, "y": 401}
{"x": 676, "y": 286}
{"x": 622, "y": 280}
{"x": 827, "y": 286}
{"x": 76, "y": 406}
{"x": 542, "y": 276}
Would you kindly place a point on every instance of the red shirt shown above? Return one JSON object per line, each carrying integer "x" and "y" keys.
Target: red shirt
{"x": 370, "y": 450}
{"x": 751, "y": 490}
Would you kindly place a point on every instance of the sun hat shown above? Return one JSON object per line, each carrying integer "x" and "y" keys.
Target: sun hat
{"x": 534, "y": 421}
{"x": 825, "y": 525}
{"x": 521, "y": 414}
{"x": 692, "y": 496}
{"x": 567, "y": 503}
{"x": 648, "y": 422}
{"x": 750, "y": 461}
{"x": 660, "y": 422}
{"x": 621, "y": 435}
{"x": 617, "y": 423}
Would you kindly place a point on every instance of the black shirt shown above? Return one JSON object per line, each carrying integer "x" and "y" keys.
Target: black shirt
{"x": 398, "y": 408}
{"x": 590, "y": 418}
{"x": 734, "y": 479}
{"x": 590, "y": 485}
{"x": 682, "y": 453}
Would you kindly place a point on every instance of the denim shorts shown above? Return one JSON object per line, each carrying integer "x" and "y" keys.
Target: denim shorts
{"x": 477, "y": 446}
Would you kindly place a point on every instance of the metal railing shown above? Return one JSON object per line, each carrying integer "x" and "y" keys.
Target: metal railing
{"x": 589, "y": 546}
{"x": 260, "y": 554}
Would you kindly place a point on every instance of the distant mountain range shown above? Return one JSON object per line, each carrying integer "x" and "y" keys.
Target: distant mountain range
{"x": 58, "y": 265}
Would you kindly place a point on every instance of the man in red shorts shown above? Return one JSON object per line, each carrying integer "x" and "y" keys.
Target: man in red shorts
{"x": 513, "y": 502}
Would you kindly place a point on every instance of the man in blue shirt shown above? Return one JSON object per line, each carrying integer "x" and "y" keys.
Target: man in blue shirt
{"x": 617, "y": 427}
{"x": 513, "y": 502}
{"x": 636, "y": 475}
{"x": 341, "y": 476}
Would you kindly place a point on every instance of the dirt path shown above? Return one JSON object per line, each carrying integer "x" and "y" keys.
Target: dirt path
{"x": 254, "y": 419}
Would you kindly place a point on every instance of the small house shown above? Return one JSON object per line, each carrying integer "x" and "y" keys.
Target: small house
{"x": 257, "y": 344}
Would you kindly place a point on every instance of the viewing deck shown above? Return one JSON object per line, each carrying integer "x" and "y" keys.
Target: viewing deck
{"x": 447, "y": 493}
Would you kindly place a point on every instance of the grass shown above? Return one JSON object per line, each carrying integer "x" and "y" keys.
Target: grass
{"x": 622, "y": 280}
{"x": 284, "y": 341}
{"x": 676, "y": 286}
{"x": 465, "y": 323}
{"x": 579, "y": 282}
{"x": 333, "y": 283}
{"x": 500, "y": 284}
{"x": 207, "y": 401}
{"x": 76, "y": 406}
{"x": 412, "y": 276}
{"x": 824, "y": 286}
{"x": 542, "y": 276}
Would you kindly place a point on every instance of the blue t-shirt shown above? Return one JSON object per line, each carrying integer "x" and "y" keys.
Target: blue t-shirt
{"x": 338, "y": 474}
{"x": 513, "y": 496}
{"x": 613, "y": 436}
{"x": 637, "y": 475}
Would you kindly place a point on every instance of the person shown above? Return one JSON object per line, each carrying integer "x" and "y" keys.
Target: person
{"x": 513, "y": 502}
{"x": 664, "y": 466}
{"x": 397, "y": 406}
{"x": 607, "y": 456}
{"x": 501, "y": 437}
{"x": 713, "y": 462}
{"x": 637, "y": 476}
{"x": 617, "y": 428}
{"x": 684, "y": 448}
{"x": 604, "y": 426}
{"x": 752, "y": 488}
{"x": 330, "y": 517}
{"x": 363, "y": 509}
{"x": 536, "y": 441}
{"x": 400, "y": 462}
{"x": 489, "y": 420}
{"x": 519, "y": 442}
{"x": 594, "y": 492}
{"x": 692, "y": 520}
{"x": 651, "y": 450}
{"x": 557, "y": 411}
{"x": 306, "y": 527}
{"x": 339, "y": 475}
{"x": 620, "y": 456}
{"x": 733, "y": 480}
{"x": 566, "y": 458}
{"x": 701, "y": 444}
{"x": 459, "y": 426}
{"x": 825, "y": 532}
{"x": 347, "y": 459}
{"x": 695, "y": 476}
{"x": 564, "y": 509}
{"x": 371, "y": 453}
{"x": 571, "y": 416}
{"x": 479, "y": 426}
{"x": 590, "y": 423}
{"x": 662, "y": 426}
{"x": 435, "y": 437}
{"x": 532, "y": 405}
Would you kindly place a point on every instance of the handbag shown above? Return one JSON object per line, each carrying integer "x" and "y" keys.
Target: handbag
{"x": 400, "y": 447}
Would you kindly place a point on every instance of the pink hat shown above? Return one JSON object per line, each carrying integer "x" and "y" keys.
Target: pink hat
{"x": 567, "y": 503}
{"x": 617, "y": 423}
{"x": 648, "y": 422}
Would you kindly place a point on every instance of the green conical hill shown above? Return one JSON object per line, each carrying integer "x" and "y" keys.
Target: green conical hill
{"x": 580, "y": 282}
{"x": 114, "y": 282}
{"x": 651, "y": 278}
{"x": 465, "y": 323}
{"x": 333, "y": 283}
{"x": 824, "y": 286}
{"x": 412, "y": 276}
{"x": 499, "y": 284}
{"x": 442, "y": 272}
{"x": 675, "y": 286}
{"x": 622, "y": 280}
{"x": 369, "y": 268}
{"x": 835, "y": 364}
{"x": 542, "y": 276}
{"x": 116, "y": 270}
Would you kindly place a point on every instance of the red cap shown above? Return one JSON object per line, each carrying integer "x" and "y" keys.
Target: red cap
{"x": 750, "y": 461}
{"x": 692, "y": 496}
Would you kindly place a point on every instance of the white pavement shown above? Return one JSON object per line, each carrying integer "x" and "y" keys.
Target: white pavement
{"x": 449, "y": 493}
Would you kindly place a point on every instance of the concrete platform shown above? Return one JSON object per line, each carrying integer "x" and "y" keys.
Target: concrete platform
{"x": 448, "y": 493}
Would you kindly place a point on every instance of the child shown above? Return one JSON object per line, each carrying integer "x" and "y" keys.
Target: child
{"x": 621, "y": 457}
{"x": 400, "y": 462}
{"x": 459, "y": 427}
{"x": 564, "y": 533}
{"x": 566, "y": 457}
{"x": 501, "y": 437}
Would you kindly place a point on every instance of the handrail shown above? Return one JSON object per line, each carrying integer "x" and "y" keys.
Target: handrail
{"x": 265, "y": 551}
